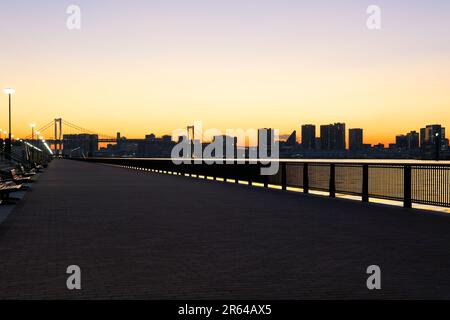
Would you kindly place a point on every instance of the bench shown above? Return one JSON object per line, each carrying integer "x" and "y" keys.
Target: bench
{"x": 6, "y": 188}
{"x": 21, "y": 171}
{"x": 19, "y": 178}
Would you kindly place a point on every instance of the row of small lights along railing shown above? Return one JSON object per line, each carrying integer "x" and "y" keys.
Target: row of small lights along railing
{"x": 248, "y": 175}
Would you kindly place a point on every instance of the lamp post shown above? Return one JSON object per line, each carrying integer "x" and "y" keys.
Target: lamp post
{"x": 37, "y": 136}
{"x": 438, "y": 146}
{"x": 32, "y": 125}
{"x": 9, "y": 92}
{"x": 4, "y": 142}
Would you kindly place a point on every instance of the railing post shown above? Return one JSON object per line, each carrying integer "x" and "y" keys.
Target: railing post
{"x": 332, "y": 180}
{"x": 250, "y": 178}
{"x": 365, "y": 183}
{"x": 407, "y": 201}
{"x": 305, "y": 178}
{"x": 283, "y": 176}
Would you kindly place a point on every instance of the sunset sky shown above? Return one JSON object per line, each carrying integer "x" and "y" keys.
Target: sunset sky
{"x": 155, "y": 66}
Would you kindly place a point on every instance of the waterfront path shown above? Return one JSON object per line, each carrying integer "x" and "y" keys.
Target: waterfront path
{"x": 149, "y": 236}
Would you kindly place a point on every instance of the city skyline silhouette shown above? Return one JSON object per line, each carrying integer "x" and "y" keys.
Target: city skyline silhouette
{"x": 238, "y": 64}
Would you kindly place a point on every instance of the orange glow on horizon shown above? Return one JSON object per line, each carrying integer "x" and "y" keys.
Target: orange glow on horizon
{"x": 161, "y": 70}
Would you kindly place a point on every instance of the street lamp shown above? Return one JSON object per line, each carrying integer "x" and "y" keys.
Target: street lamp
{"x": 9, "y": 92}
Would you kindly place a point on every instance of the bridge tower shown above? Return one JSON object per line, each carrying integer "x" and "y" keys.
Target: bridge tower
{"x": 58, "y": 137}
{"x": 192, "y": 140}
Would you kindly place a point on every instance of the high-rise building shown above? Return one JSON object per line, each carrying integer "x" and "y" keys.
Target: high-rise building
{"x": 431, "y": 134}
{"x": 269, "y": 141}
{"x": 308, "y": 137}
{"x": 154, "y": 147}
{"x": 80, "y": 144}
{"x": 401, "y": 142}
{"x": 332, "y": 137}
{"x": 326, "y": 132}
{"x": 355, "y": 139}
{"x": 413, "y": 140}
{"x": 340, "y": 134}
{"x": 422, "y": 137}
{"x": 433, "y": 141}
{"x": 292, "y": 140}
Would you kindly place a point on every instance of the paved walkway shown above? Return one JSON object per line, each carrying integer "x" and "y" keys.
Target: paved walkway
{"x": 142, "y": 235}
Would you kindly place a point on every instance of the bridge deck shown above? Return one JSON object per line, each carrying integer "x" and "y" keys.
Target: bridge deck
{"x": 142, "y": 235}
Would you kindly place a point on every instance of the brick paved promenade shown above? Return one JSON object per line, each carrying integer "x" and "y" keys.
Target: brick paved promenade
{"x": 143, "y": 235}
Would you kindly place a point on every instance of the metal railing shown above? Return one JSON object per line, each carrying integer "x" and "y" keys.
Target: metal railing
{"x": 427, "y": 184}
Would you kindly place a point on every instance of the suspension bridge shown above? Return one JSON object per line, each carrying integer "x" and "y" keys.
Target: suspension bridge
{"x": 57, "y": 128}
{"x": 60, "y": 130}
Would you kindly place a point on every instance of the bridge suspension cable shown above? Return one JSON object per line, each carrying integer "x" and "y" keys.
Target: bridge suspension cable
{"x": 84, "y": 130}
{"x": 74, "y": 127}
{"x": 42, "y": 129}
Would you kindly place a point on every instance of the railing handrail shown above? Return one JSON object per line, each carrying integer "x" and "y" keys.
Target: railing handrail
{"x": 420, "y": 183}
{"x": 371, "y": 162}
